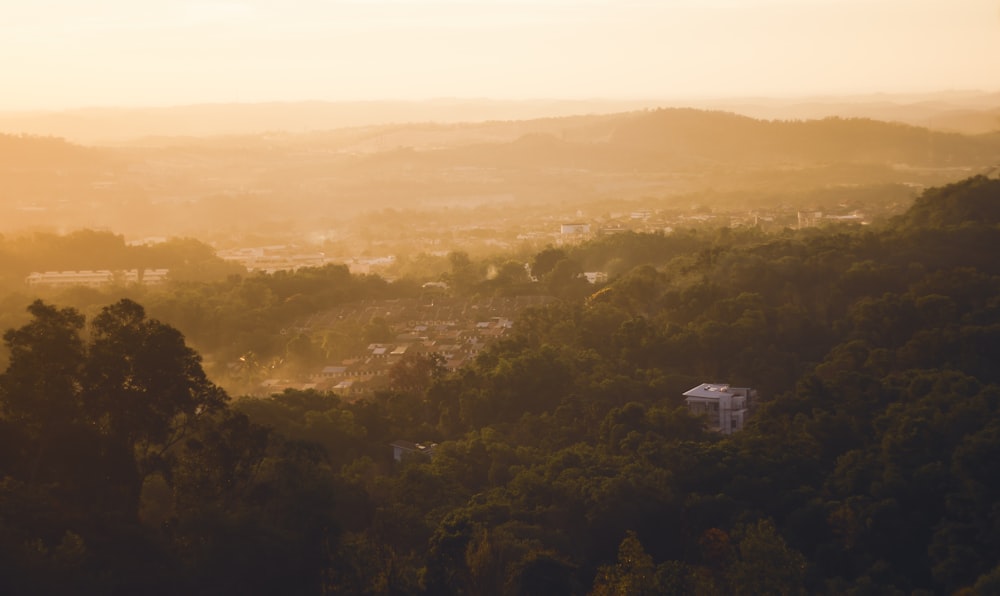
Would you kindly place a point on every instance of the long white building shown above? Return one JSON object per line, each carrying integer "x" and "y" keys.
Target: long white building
{"x": 97, "y": 279}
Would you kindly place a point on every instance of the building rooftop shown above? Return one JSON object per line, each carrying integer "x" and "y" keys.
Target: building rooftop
{"x": 708, "y": 390}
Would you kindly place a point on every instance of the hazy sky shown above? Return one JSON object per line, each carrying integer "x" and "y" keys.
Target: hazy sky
{"x": 65, "y": 53}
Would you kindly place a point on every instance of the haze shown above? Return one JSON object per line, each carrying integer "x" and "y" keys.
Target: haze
{"x": 60, "y": 55}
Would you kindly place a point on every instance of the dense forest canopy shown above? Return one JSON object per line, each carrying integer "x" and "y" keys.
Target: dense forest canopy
{"x": 564, "y": 459}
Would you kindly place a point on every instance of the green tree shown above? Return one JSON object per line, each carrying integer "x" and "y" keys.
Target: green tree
{"x": 464, "y": 273}
{"x": 377, "y": 331}
{"x": 765, "y": 564}
{"x": 633, "y": 575}
{"x": 40, "y": 390}
{"x": 303, "y": 353}
{"x": 416, "y": 372}
{"x": 545, "y": 261}
{"x": 145, "y": 390}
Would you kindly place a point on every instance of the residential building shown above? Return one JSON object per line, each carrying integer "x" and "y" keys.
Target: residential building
{"x": 401, "y": 449}
{"x": 574, "y": 228}
{"x": 725, "y": 408}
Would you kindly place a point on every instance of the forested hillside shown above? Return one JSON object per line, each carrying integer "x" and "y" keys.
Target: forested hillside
{"x": 565, "y": 460}
{"x": 681, "y": 137}
{"x": 501, "y": 178}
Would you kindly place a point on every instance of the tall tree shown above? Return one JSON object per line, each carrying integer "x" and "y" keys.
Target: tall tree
{"x": 634, "y": 573}
{"x": 40, "y": 390}
{"x": 145, "y": 389}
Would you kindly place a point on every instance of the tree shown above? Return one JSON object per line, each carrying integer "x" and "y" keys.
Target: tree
{"x": 464, "y": 273}
{"x": 40, "y": 390}
{"x": 416, "y": 372}
{"x": 633, "y": 575}
{"x": 545, "y": 261}
{"x": 219, "y": 463}
{"x": 303, "y": 354}
{"x": 377, "y": 331}
{"x": 566, "y": 280}
{"x": 512, "y": 272}
{"x": 766, "y": 565}
{"x": 228, "y": 507}
{"x": 144, "y": 389}
{"x": 543, "y": 573}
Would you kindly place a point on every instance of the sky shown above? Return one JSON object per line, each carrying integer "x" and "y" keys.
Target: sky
{"x": 61, "y": 54}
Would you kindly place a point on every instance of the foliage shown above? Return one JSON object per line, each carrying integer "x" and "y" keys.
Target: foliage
{"x": 565, "y": 460}
{"x": 118, "y": 450}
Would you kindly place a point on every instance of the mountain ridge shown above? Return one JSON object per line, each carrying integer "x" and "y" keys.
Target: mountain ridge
{"x": 965, "y": 112}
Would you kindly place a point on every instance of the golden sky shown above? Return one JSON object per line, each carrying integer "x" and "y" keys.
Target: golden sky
{"x": 62, "y": 53}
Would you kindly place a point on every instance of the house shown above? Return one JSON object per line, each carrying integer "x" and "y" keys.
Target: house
{"x": 725, "y": 408}
{"x": 344, "y": 387}
{"x": 401, "y": 449}
{"x": 380, "y": 350}
{"x": 330, "y": 372}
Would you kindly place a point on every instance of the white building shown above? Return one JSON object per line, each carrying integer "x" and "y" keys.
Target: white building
{"x": 401, "y": 449}
{"x": 97, "y": 279}
{"x": 574, "y": 228}
{"x": 724, "y": 407}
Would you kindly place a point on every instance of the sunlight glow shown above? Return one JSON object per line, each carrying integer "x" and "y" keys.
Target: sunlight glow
{"x": 159, "y": 53}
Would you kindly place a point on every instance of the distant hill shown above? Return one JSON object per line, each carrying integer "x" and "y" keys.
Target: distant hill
{"x": 965, "y": 112}
{"x": 176, "y": 185}
{"x": 36, "y": 168}
{"x": 33, "y": 152}
{"x": 654, "y": 140}
{"x": 969, "y": 112}
{"x": 114, "y": 125}
{"x": 645, "y": 140}
{"x": 726, "y": 137}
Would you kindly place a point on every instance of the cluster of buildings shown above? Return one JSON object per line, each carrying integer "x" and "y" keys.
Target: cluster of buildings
{"x": 454, "y": 330}
{"x": 502, "y": 234}
{"x": 281, "y": 257}
{"x": 812, "y": 219}
{"x": 272, "y": 258}
{"x": 646, "y": 220}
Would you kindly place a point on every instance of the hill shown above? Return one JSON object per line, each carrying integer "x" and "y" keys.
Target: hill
{"x": 518, "y": 173}
{"x": 964, "y": 112}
